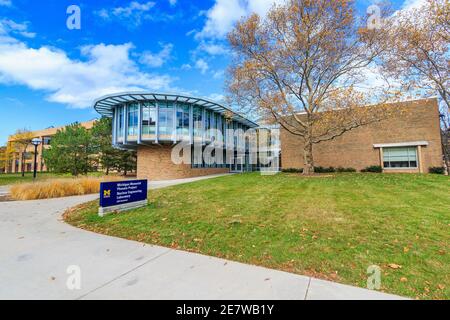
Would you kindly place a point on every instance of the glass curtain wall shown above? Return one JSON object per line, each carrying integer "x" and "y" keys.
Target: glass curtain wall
{"x": 166, "y": 120}
{"x": 120, "y": 116}
{"x": 133, "y": 110}
{"x": 149, "y": 114}
{"x": 198, "y": 123}
{"x": 183, "y": 121}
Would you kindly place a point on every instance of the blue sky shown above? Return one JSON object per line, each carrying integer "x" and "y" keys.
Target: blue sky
{"x": 50, "y": 75}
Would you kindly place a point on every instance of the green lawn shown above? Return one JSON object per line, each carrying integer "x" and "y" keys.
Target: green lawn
{"x": 12, "y": 178}
{"x": 331, "y": 227}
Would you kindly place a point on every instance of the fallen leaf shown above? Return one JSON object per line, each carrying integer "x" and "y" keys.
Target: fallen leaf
{"x": 405, "y": 249}
{"x": 403, "y": 279}
{"x": 441, "y": 286}
{"x": 394, "y": 266}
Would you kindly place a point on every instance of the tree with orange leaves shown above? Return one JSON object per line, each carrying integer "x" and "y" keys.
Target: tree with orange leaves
{"x": 419, "y": 48}
{"x": 300, "y": 67}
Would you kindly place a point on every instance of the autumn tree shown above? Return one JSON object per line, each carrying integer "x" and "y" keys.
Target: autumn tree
{"x": 3, "y": 159}
{"x": 19, "y": 143}
{"x": 300, "y": 67}
{"x": 419, "y": 42}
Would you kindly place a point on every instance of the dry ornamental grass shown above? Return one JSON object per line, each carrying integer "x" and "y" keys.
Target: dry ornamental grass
{"x": 57, "y": 188}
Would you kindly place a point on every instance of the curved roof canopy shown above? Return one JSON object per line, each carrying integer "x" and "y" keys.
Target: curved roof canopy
{"x": 106, "y": 104}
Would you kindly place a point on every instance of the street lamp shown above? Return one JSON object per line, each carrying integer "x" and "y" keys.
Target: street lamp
{"x": 35, "y": 142}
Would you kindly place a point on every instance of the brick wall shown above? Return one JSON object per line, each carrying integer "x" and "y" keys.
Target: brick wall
{"x": 355, "y": 148}
{"x": 154, "y": 163}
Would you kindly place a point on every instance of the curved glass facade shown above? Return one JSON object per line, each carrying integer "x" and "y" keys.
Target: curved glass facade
{"x": 171, "y": 120}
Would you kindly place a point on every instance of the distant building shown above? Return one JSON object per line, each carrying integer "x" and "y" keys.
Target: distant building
{"x": 14, "y": 165}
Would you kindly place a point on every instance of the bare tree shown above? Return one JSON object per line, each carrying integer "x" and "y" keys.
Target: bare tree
{"x": 419, "y": 49}
{"x": 300, "y": 66}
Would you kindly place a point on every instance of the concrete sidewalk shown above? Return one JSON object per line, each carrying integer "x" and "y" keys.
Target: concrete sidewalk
{"x": 37, "y": 247}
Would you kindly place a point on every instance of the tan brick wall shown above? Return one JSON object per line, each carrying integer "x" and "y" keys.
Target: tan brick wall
{"x": 355, "y": 148}
{"x": 154, "y": 163}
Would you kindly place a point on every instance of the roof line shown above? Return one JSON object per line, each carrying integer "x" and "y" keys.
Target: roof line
{"x": 144, "y": 94}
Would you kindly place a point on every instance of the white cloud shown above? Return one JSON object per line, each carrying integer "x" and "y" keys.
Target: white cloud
{"x": 413, "y": 4}
{"x": 105, "y": 69}
{"x": 213, "y": 49}
{"x": 173, "y": 2}
{"x": 225, "y": 13}
{"x": 156, "y": 60}
{"x": 186, "y": 66}
{"x": 8, "y": 26}
{"x": 5, "y": 3}
{"x": 202, "y": 65}
{"x": 134, "y": 13}
{"x": 218, "y": 74}
{"x": 216, "y": 97}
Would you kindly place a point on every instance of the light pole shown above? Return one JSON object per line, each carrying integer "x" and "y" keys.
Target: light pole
{"x": 35, "y": 142}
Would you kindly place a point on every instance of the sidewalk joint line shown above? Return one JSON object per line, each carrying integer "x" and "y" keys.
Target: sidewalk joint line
{"x": 307, "y": 288}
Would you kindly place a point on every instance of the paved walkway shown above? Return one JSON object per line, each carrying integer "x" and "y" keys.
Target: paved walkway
{"x": 37, "y": 247}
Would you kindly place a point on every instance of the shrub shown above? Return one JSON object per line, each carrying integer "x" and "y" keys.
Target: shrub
{"x": 324, "y": 170}
{"x": 293, "y": 170}
{"x": 437, "y": 170}
{"x": 375, "y": 169}
{"x": 57, "y": 188}
{"x": 340, "y": 169}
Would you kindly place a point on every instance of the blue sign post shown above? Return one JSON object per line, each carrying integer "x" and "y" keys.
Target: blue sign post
{"x": 122, "y": 195}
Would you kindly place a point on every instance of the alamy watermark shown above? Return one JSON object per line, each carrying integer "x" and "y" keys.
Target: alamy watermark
{"x": 73, "y": 281}
{"x": 374, "y": 277}
{"x": 73, "y": 21}
{"x": 374, "y": 20}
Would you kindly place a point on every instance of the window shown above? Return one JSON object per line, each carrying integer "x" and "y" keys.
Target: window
{"x": 120, "y": 119}
{"x": 165, "y": 118}
{"x": 198, "y": 123}
{"x": 46, "y": 141}
{"x": 133, "y": 119}
{"x": 148, "y": 118}
{"x": 183, "y": 120}
{"x": 403, "y": 157}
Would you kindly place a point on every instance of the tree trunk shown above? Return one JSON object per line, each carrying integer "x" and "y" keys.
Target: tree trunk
{"x": 308, "y": 158}
{"x": 107, "y": 170}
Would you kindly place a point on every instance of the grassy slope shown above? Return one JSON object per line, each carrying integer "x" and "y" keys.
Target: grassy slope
{"x": 331, "y": 227}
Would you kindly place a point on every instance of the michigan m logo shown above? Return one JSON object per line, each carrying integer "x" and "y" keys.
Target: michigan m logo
{"x": 107, "y": 193}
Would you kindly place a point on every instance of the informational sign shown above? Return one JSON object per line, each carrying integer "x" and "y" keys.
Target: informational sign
{"x": 122, "y": 195}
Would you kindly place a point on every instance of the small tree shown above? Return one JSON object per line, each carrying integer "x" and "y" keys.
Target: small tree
{"x": 301, "y": 63}
{"x": 71, "y": 151}
{"x": 106, "y": 154}
{"x": 126, "y": 162}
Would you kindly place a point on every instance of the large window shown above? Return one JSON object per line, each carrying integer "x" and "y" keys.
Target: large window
{"x": 403, "y": 157}
{"x": 120, "y": 115}
{"x": 198, "y": 122}
{"x": 149, "y": 118}
{"x": 182, "y": 120}
{"x": 165, "y": 118}
{"x": 133, "y": 119}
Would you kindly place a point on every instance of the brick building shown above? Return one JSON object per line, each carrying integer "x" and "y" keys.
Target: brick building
{"x": 410, "y": 142}
{"x": 14, "y": 165}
